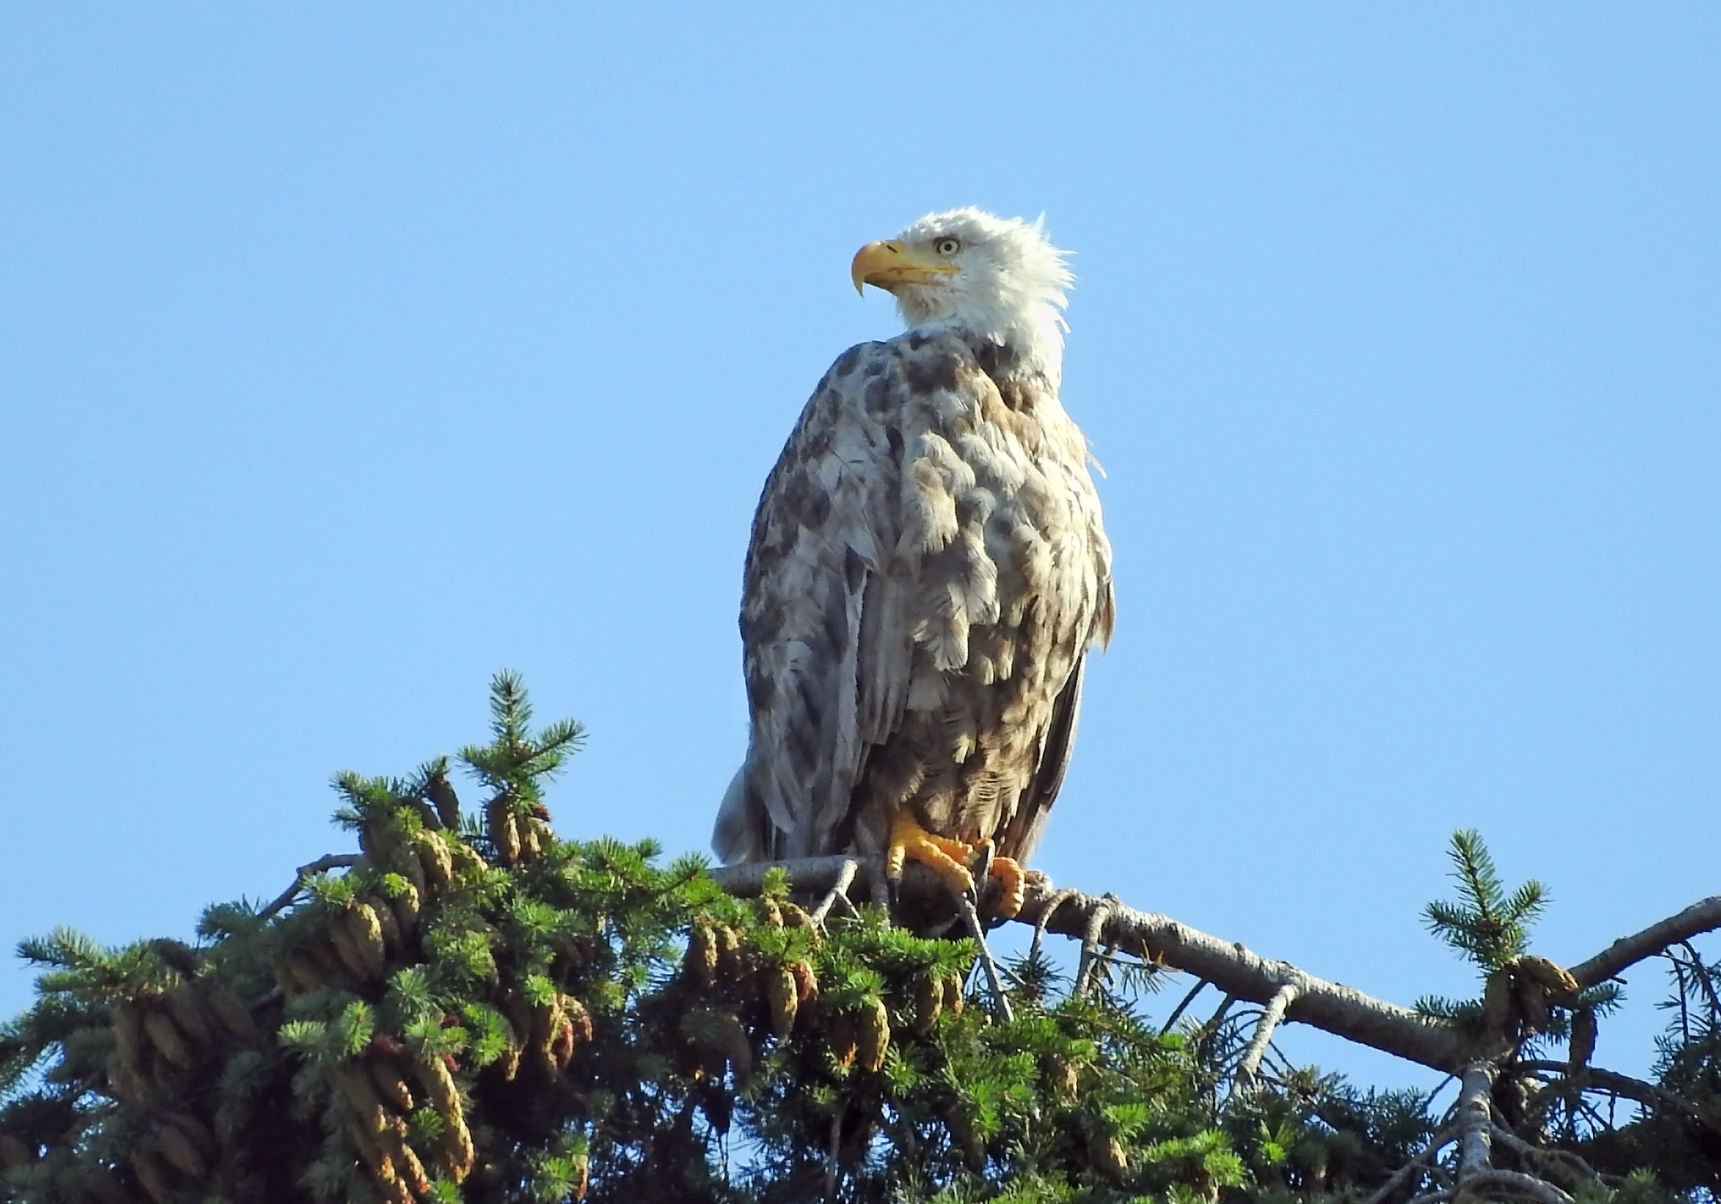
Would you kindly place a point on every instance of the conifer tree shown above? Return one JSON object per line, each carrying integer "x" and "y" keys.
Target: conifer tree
{"x": 469, "y": 1008}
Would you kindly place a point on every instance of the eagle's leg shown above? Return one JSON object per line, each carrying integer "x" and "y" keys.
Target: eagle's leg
{"x": 947, "y": 858}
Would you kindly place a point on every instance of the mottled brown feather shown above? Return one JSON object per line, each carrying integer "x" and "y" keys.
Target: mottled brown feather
{"x": 926, "y": 574}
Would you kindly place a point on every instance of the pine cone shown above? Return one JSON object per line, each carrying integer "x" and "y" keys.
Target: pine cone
{"x": 14, "y": 1153}
{"x": 928, "y": 1003}
{"x": 1549, "y": 975}
{"x": 841, "y": 1039}
{"x": 953, "y": 1001}
{"x": 782, "y": 998}
{"x": 806, "y": 983}
{"x": 700, "y": 961}
{"x": 434, "y": 859}
{"x": 186, "y": 1008}
{"x": 504, "y": 829}
{"x": 795, "y": 916}
{"x": 152, "y": 1175}
{"x": 365, "y": 929}
{"x": 1107, "y": 1154}
{"x": 181, "y": 1152}
{"x": 233, "y": 1015}
{"x": 872, "y": 1026}
{"x": 346, "y": 948}
{"x": 1583, "y": 1041}
{"x": 406, "y": 907}
{"x": 390, "y": 1085}
{"x": 731, "y": 960}
{"x": 168, "y": 1041}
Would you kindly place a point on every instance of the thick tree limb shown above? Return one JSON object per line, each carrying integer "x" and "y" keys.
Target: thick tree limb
{"x": 1242, "y": 973}
{"x": 1475, "y": 1117}
{"x": 1702, "y": 916}
{"x": 1099, "y": 920}
{"x": 1229, "y": 965}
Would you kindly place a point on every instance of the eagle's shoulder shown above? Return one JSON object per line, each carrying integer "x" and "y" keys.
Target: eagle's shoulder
{"x": 827, "y": 501}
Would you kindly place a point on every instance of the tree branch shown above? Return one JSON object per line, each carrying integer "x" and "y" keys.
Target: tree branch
{"x": 328, "y": 861}
{"x": 1241, "y": 973}
{"x": 1513, "y": 1181}
{"x": 1702, "y": 916}
{"x": 1622, "y": 1085}
{"x": 1250, "y": 1066}
{"x": 1475, "y": 1115}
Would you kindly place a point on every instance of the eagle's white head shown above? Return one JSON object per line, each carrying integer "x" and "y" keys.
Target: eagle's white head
{"x": 997, "y": 277}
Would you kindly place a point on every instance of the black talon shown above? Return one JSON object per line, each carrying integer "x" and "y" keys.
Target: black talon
{"x": 983, "y": 854}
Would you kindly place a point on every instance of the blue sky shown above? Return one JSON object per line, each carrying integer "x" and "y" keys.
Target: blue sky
{"x": 351, "y": 354}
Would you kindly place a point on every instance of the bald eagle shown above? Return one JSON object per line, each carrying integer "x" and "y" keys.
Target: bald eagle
{"x": 926, "y": 575}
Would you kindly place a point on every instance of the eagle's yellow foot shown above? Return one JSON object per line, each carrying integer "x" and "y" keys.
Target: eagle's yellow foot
{"x": 1012, "y": 885}
{"x": 950, "y": 859}
{"x": 945, "y": 857}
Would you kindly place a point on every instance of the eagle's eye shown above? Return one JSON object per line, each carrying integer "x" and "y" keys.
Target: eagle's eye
{"x": 948, "y": 246}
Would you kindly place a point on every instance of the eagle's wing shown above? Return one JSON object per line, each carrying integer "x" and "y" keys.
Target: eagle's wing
{"x": 1021, "y": 832}
{"x": 826, "y": 657}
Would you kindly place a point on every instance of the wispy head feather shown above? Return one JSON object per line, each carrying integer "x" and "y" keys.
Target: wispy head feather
{"x": 1010, "y": 283}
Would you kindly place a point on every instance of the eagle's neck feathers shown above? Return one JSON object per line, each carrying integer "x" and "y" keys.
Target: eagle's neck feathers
{"x": 1034, "y": 336}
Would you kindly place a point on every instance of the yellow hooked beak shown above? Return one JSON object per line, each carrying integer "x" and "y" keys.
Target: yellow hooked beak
{"x": 889, "y": 264}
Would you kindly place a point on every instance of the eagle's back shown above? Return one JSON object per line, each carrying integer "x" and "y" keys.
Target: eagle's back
{"x": 927, "y": 571}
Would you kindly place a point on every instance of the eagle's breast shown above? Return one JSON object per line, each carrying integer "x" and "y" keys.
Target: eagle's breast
{"x": 1006, "y": 572}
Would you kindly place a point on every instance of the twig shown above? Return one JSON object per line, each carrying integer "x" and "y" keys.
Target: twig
{"x": 1537, "y": 1156}
{"x": 1423, "y": 1161}
{"x": 1615, "y": 1083}
{"x": 1428, "y": 1101}
{"x": 1183, "y": 1006}
{"x": 1091, "y": 942}
{"x": 1699, "y": 972}
{"x": 972, "y": 918}
{"x": 1244, "y": 1080}
{"x": 845, "y": 879}
{"x": 1218, "y": 1016}
{"x": 1057, "y": 900}
{"x": 809, "y": 874}
{"x": 328, "y": 861}
{"x": 831, "y": 1157}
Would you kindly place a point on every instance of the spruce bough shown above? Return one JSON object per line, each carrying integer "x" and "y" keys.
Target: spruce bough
{"x": 469, "y": 1008}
